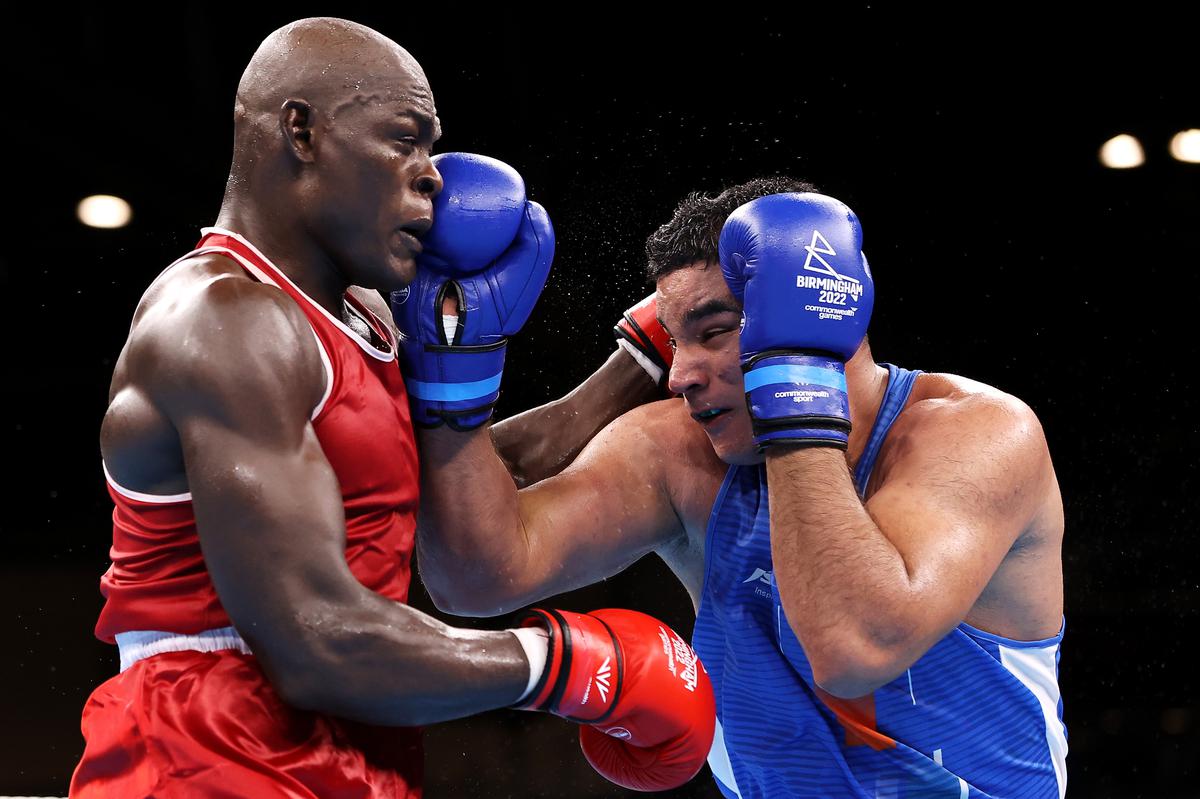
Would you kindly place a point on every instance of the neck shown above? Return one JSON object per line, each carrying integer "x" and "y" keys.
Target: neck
{"x": 289, "y": 247}
{"x": 866, "y": 382}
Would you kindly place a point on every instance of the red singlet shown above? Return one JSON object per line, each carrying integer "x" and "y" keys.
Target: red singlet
{"x": 191, "y": 713}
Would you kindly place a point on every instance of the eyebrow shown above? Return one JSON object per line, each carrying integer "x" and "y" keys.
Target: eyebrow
{"x": 702, "y": 310}
{"x": 424, "y": 120}
{"x": 708, "y": 309}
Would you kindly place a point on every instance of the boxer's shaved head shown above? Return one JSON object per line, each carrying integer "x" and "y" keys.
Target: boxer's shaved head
{"x": 331, "y": 64}
{"x": 328, "y": 62}
{"x": 334, "y": 128}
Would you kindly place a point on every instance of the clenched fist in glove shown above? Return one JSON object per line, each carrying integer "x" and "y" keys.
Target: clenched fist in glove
{"x": 645, "y": 701}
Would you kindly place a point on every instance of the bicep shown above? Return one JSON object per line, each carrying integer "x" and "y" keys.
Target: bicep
{"x": 954, "y": 507}
{"x": 271, "y": 524}
{"x": 606, "y": 510}
{"x": 238, "y": 378}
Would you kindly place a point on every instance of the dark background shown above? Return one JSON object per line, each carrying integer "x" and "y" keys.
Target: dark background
{"x": 968, "y": 147}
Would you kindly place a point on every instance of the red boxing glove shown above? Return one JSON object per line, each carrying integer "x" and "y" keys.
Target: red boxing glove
{"x": 644, "y": 696}
{"x": 640, "y": 334}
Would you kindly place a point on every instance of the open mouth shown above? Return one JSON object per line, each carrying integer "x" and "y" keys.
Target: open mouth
{"x": 704, "y": 417}
{"x": 409, "y": 239}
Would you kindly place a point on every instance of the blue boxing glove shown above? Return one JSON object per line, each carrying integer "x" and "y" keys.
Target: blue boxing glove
{"x": 476, "y": 215}
{"x": 795, "y": 261}
{"x": 490, "y": 251}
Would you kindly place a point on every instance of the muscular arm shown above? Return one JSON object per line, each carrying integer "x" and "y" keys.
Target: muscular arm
{"x": 237, "y": 373}
{"x": 486, "y": 547}
{"x": 540, "y": 442}
{"x": 868, "y": 590}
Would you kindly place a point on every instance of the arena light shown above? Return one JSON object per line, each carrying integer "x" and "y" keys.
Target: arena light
{"x": 1122, "y": 152}
{"x": 1185, "y": 146}
{"x": 104, "y": 211}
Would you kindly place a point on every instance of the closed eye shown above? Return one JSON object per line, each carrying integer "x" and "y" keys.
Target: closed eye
{"x": 711, "y": 334}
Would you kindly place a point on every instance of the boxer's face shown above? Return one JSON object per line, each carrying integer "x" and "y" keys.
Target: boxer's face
{"x": 376, "y": 182}
{"x": 704, "y": 322}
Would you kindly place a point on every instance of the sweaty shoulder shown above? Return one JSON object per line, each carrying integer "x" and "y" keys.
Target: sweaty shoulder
{"x": 956, "y": 426}
{"x": 666, "y": 426}
{"x": 213, "y": 326}
{"x": 951, "y": 405}
{"x": 206, "y": 337}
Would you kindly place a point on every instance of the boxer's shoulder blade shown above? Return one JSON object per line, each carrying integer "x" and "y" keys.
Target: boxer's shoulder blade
{"x": 208, "y": 342}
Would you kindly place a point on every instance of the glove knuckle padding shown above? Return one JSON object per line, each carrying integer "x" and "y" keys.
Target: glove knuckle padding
{"x": 657, "y": 747}
{"x": 779, "y": 250}
{"x": 639, "y": 686}
{"x": 491, "y": 250}
{"x": 657, "y": 768}
{"x": 796, "y": 262}
{"x": 536, "y": 242}
{"x": 501, "y": 299}
{"x": 477, "y": 214}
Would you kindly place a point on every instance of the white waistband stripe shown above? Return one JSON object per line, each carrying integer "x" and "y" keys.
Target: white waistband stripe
{"x": 140, "y": 644}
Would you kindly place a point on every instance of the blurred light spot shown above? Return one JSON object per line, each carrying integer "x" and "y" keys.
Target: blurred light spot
{"x": 1185, "y": 146}
{"x": 1122, "y": 152}
{"x": 104, "y": 211}
{"x": 1110, "y": 721}
{"x": 1176, "y": 720}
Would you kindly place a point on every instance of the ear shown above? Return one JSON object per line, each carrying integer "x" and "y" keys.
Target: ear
{"x": 297, "y": 120}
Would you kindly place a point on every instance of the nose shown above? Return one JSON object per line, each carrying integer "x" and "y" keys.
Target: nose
{"x": 688, "y": 373}
{"x": 425, "y": 184}
{"x": 428, "y": 182}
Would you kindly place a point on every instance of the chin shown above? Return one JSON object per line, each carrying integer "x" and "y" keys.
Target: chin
{"x": 406, "y": 274}
{"x": 401, "y": 272}
{"x": 739, "y": 453}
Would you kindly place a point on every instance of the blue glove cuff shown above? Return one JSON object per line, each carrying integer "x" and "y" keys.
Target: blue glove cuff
{"x": 798, "y": 399}
{"x": 454, "y": 385}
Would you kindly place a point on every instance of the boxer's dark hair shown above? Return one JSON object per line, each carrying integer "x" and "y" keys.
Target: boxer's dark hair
{"x": 694, "y": 229}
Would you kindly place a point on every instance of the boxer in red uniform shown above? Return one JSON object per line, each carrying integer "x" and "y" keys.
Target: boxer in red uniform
{"x": 259, "y": 450}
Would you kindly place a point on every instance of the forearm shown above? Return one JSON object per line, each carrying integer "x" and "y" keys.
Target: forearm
{"x": 471, "y": 536}
{"x": 541, "y": 442}
{"x": 382, "y": 662}
{"x": 846, "y": 589}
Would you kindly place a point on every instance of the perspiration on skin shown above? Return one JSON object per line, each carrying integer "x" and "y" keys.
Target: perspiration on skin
{"x": 898, "y": 571}
{"x": 224, "y": 394}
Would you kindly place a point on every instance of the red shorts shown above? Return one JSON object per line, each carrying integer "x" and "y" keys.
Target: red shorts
{"x": 209, "y": 724}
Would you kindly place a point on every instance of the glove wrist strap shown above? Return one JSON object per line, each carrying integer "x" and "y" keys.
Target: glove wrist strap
{"x": 584, "y": 668}
{"x": 455, "y": 385}
{"x": 536, "y": 645}
{"x": 797, "y": 399}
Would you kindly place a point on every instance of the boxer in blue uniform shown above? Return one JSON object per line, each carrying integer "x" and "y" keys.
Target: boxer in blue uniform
{"x": 874, "y": 553}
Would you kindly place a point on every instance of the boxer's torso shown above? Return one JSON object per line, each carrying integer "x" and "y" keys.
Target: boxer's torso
{"x": 141, "y": 447}
{"x": 1023, "y": 596}
{"x": 359, "y": 416}
{"x": 976, "y": 706}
